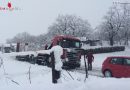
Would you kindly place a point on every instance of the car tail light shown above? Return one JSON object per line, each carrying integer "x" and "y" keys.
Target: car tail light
{"x": 64, "y": 54}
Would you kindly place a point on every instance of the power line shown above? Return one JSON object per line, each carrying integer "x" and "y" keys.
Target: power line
{"x": 123, "y": 3}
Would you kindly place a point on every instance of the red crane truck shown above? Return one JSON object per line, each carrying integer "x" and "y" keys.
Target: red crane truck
{"x": 71, "y": 51}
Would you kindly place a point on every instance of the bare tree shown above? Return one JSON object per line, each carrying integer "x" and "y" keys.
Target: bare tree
{"x": 70, "y": 25}
{"x": 112, "y": 24}
{"x": 23, "y": 37}
{"x": 125, "y": 31}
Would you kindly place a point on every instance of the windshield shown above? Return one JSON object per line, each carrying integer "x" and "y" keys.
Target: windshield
{"x": 67, "y": 43}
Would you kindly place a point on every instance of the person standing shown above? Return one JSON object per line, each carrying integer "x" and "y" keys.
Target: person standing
{"x": 46, "y": 47}
{"x": 90, "y": 59}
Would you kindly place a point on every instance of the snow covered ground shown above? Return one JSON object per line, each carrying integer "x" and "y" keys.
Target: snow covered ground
{"x": 14, "y": 75}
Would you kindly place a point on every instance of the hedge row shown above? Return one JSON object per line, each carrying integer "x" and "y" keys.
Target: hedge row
{"x": 105, "y": 49}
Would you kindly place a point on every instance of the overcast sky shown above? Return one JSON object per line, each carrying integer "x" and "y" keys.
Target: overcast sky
{"x": 35, "y": 16}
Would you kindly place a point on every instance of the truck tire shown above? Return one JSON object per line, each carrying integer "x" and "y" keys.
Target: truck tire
{"x": 38, "y": 62}
{"x": 78, "y": 65}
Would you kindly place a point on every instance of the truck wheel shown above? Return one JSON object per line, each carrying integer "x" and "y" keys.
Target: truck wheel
{"x": 78, "y": 65}
{"x": 39, "y": 62}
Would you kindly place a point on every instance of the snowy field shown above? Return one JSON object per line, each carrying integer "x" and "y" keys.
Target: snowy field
{"x": 14, "y": 75}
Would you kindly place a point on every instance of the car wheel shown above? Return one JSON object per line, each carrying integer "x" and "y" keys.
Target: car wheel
{"x": 107, "y": 73}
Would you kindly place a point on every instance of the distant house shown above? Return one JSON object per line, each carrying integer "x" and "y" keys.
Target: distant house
{"x": 7, "y": 48}
{"x": 91, "y": 42}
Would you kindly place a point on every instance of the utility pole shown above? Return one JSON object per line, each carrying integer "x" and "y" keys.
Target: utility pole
{"x": 18, "y": 47}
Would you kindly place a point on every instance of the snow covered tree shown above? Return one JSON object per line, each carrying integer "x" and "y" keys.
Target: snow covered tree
{"x": 111, "y": 25}
{"x": 70, "y": 25}
{"x": 116, "y": 25}
{"x": 125, "y": 19}
{"x": 22, "y": 38}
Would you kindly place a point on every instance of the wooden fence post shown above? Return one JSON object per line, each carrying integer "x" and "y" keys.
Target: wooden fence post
{"x": 54, "y": 80}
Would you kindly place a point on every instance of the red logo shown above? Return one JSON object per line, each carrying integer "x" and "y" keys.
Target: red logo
{"x": 9, "y": 7}
{"x": 9, "y": 4}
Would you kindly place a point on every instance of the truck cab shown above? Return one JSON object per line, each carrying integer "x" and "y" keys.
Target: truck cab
{"x": 71, "y": 50}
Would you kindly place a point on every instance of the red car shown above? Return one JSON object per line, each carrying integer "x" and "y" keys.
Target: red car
{"x": 116, "y": 67}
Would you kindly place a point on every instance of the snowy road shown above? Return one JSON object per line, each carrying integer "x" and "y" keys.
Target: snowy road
{"x": 95, "y": 71}
{"x": 14, "y": 76}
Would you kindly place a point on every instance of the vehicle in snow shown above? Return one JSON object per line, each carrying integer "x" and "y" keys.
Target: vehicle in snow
{"x": 116, "y": 66}
{"x": 71, "y": 51}
{"x": 7, "y": 48}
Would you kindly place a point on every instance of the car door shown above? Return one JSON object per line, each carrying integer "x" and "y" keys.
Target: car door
{"x": 117, "y": 67}
{"x": 127, "y": 67}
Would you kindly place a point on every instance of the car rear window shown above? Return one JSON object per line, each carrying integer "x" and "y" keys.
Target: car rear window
{"x": 127, "y": 61}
